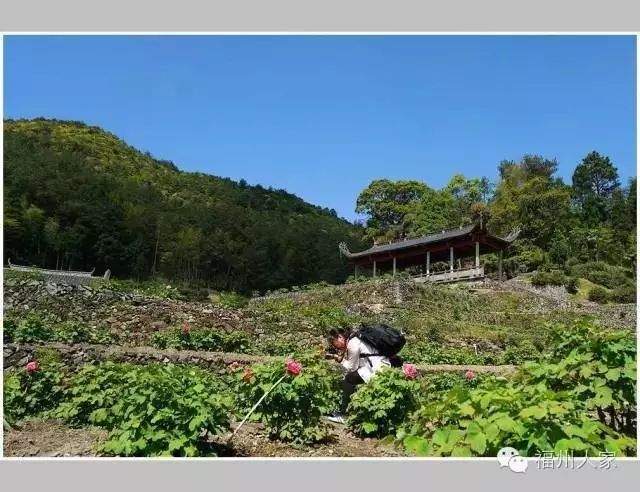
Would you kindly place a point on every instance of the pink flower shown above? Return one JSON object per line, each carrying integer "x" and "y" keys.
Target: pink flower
{"x": 32, "y": 367}
{"x": 186, "y": 328}
{"x": 293, "y": 367}
{"x": 410, "y": 371}
{"x": 469, "y": 375}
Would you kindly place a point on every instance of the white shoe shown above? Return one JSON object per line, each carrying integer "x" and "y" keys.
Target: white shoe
{"x": 336, "y": 418}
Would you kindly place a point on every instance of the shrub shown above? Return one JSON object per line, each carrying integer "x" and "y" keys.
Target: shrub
{"x": 150, "y": 410}
{"x": 229, "y": 300}
{"x": 30, "y": 393}
{"x": 624, "y": 295}
{"x": 378, "y": 407}
{"x": 604, "y": 274}
{"x": 571, "y": 285}
{"x": 554, "y": 277}
{"x": 293, "y": 410}
{"x": 598, "y": 294}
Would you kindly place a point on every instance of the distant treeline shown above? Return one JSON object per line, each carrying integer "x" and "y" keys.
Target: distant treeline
{"x": 77, "y": 197}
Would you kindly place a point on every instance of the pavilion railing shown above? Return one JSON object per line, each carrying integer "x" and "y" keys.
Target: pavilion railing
{"x": 471, "y": 273}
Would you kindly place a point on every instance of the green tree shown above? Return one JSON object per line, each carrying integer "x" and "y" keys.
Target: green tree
{"x": 528, "y": 196}
{"x": 387, "y": 203}
{"x": 595, "y": 180}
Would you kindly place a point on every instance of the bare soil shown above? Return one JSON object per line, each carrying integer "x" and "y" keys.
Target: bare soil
{"x": 252, "y": 441}
{"x": 51, "y": 438}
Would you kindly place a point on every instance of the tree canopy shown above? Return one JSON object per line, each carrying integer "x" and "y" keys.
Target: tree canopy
{"x": 592, "y": 219}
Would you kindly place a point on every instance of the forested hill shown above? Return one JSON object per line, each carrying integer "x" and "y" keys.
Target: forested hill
{"x": 78, "y": 197}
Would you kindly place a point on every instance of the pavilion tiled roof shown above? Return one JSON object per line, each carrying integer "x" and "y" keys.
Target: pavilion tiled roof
{"x": 421, "y": 241}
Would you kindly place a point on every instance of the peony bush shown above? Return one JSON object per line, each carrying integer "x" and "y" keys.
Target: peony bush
{"x": 151, "y": 410}
{"x": 32, "y": 390}
{"x": 580, "y": 399}
{"x": 293, "y": 410}
{"x": 378, "y": 407}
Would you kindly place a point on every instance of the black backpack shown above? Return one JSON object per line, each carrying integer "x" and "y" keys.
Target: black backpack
{"x": 384, "y": 339}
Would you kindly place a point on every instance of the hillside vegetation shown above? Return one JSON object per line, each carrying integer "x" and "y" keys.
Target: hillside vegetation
{"x": 574, "y": 389}
{"x": 77, "y": 197}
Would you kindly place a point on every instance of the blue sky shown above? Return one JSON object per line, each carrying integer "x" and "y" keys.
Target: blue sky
{"x": 322, "y": 116}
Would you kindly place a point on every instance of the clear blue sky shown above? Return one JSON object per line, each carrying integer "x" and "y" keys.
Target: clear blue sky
{"x": 322, "y": 116}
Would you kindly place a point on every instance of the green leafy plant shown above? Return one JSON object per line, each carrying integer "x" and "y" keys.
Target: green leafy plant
{"x": 292, "y": 411}
{"x": 522, "y": 352}
{"x": 71, "y": 332}
{"x": 202, "y": 339}
{"x": 150, "y": 410}
{"x": 9, "y": 325}
{"x": 28, "y": 392}
{"x": 426, "y": 352}
{"x": 33, "y": 327}
{"x": 383, "y": 403}
{"x": 36, "y": 326}
{"x": 547, "y": 406}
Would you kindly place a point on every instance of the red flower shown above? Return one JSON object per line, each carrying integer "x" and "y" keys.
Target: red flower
{"x": 469, "y": 375}
{"x": 186, "y": 328}
{"x": 293, "y": 367}
{"x": 410, "y": 371}
{"x": 32, "y": 367}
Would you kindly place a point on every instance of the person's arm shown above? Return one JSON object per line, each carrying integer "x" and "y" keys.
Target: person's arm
{"x": 351, "y": 361}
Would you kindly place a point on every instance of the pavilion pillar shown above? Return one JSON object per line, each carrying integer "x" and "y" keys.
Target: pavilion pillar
{"x": 374, "y": 268}
{"x": 355, "y": 271}
{"x": 477, "y": 254}
{"x": 394, "y": 266}
{"x": 428, "y": 262}
{"x": 500, "y": 265}
{"x": 451, "y": 258}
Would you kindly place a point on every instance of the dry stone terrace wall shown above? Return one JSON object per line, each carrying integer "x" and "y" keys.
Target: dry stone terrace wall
{"x": 17, "y": 355}
{"x": 131, "y": 317}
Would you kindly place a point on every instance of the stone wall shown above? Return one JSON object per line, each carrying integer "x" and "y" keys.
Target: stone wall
{"x": 16, "y": 355}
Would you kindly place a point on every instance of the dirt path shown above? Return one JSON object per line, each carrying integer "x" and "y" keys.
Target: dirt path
{"x": 52, "y": 438}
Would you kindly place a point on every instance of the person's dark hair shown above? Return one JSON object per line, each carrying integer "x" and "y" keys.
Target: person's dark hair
{"x": 336, "y": 332}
